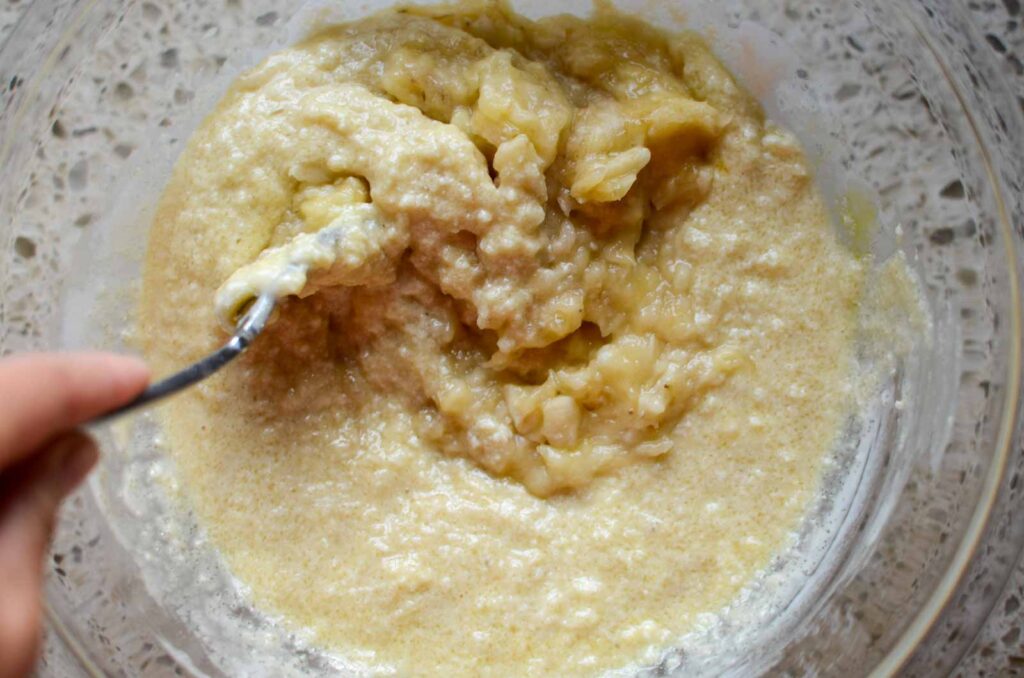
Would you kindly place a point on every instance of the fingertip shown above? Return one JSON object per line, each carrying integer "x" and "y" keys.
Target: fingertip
{"x": 131, "y": 373}
{"x": 53, "y": 392}
{"x": 98, "y": 381}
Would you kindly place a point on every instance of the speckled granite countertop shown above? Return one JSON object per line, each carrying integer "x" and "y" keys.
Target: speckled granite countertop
{"x": 999, "y": 649}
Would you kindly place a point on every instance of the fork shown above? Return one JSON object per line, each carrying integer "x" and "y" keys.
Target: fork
{"x": 247, "y": 329}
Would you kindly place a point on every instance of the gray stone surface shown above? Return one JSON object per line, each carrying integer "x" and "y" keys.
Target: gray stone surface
{"x": 998, "y": 650}
{"x": 999, "y": 647}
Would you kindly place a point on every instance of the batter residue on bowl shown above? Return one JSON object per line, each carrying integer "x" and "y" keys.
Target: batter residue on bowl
{"x": 575, "y": 338}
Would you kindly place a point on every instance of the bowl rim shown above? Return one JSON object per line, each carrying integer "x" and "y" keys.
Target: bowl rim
{"x": 940, "y": 597}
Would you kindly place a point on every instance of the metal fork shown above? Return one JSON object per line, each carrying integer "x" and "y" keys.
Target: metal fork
{"x": 248, "y": 328}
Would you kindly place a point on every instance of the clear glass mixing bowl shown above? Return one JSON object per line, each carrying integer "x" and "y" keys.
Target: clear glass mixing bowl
{"x": 896, "y": 103}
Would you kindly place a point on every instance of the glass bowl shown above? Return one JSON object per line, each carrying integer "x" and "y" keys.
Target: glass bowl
{"x": 897, "y": 103}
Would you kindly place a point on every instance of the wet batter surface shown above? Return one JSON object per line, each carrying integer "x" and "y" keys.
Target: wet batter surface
{"x": 565, "y": 336}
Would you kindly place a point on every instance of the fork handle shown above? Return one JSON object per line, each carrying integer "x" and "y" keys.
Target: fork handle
{"x": 249, "y": 327}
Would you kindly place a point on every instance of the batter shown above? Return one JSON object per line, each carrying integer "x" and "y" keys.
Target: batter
{"x": 564, "y": 337}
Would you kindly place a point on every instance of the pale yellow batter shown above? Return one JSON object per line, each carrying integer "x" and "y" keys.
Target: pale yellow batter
{"x": 565, "y": 337}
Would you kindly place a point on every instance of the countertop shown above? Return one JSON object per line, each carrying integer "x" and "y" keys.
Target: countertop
{"x": 999, "y": 649}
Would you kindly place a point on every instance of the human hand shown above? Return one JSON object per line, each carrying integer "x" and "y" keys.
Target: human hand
{"x": 43, "y": 398}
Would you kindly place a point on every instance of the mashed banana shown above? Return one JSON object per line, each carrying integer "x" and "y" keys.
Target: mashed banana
{"x": 565, "y": 336}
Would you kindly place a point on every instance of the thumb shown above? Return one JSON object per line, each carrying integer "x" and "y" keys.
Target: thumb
{"x": 30, "y": 493}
